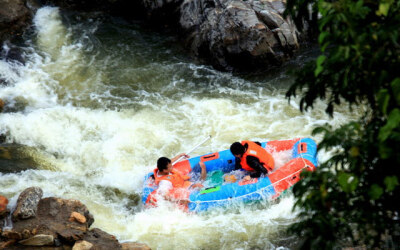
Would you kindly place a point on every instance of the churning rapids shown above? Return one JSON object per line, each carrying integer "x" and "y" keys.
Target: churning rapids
{"x": 98, "y": 100}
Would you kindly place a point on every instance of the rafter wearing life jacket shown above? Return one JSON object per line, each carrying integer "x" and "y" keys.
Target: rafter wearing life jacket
{"x": 179, "y": 191}
{"x": 255, "y": 150}
{"x": 177, "y": 179}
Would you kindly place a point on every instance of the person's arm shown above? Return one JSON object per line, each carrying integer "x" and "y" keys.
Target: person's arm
{"x": 255, "y": 164}
{"x": 203, "y": 171}
{"x": 178, "y": 156}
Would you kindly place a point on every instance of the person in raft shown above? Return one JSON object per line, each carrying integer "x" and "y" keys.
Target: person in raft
{"x": 173, "y": 185}
{"x": 252, "y": 157}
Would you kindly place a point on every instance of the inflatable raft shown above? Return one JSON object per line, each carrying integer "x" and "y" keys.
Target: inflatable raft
{"x": 303, "y": 156}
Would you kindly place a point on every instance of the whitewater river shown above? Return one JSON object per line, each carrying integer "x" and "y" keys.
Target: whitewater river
{"x": 99, "y": 100}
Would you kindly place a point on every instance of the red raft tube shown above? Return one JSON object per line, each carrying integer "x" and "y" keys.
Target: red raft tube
{"x": 303, "y": 157}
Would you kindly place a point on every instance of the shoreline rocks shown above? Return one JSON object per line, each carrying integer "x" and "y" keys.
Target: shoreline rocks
{"x": 54, "y": 223}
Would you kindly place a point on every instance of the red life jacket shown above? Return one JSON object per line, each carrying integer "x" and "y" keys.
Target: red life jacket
{"x": 260, "y": 153}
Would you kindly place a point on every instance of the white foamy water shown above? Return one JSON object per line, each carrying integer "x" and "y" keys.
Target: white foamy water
{"x": 97, "y": 118}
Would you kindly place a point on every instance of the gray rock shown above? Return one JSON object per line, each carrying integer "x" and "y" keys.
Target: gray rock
{"x": 234, "y": 34}
{"x": 27, "y": 203}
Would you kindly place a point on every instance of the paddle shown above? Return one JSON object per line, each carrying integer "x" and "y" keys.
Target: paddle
{"x": 193, "y": 149}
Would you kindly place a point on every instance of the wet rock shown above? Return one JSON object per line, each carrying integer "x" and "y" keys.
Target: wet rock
{"x": 27, "y": 203}
{"x": 134, "y": 246}
{"x": 38, "y": 240}
{"x": 15, "y": 157}
{"x": 14, "y": 18}
{"x": 82, "y": 245}
{"x": 11, "y": 234}
{"x": 101, "y": 239}
{"x": 234, "y": 34}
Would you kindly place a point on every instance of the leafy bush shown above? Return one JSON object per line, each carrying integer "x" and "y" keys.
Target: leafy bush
{"x": 353, "y": 198}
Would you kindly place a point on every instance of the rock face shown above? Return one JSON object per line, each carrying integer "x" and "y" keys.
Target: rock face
{"x": 14, "y": 17}
{"x": 239, "y": 34}
{"x": 54, "y": 224}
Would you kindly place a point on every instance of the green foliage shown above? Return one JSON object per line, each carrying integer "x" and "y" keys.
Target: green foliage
{"x": 350, "y": 199}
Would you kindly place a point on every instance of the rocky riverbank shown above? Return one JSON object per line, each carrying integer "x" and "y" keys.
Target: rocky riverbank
{"x": 52, "y": 223}
{"x": 228, "y": 34}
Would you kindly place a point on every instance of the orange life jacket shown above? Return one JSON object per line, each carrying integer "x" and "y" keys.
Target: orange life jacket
{"x": 179, "y": 189}
{"x": 177, "y": 179}
{"x": 260, "y": 153}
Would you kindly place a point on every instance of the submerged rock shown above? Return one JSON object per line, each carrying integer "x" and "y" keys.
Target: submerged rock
{"x": 14, "y": 158}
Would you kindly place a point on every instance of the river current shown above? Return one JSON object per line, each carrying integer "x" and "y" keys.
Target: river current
{"x": 98, "y": 100}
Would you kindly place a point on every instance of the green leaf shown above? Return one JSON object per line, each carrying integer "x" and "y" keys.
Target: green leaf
{"x": 383, "y": 100}
{"x": 383, "y": 9}
{"x": 393, "y": 122}
{"x": 347, "y": 182}
{"x": 322, "y": 37}
{"x": 395, "y": 84}
{"x": 375, "y": 192}
{"x": 391, "y": 183}
{"x": 320, "y": 61}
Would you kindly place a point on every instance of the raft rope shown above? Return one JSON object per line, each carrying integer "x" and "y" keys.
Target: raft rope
{"x": 260, "y": 190}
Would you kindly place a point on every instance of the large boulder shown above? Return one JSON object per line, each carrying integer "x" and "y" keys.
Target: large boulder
{"x": 239, "y": 34}
{"x": 15, "y": 16}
